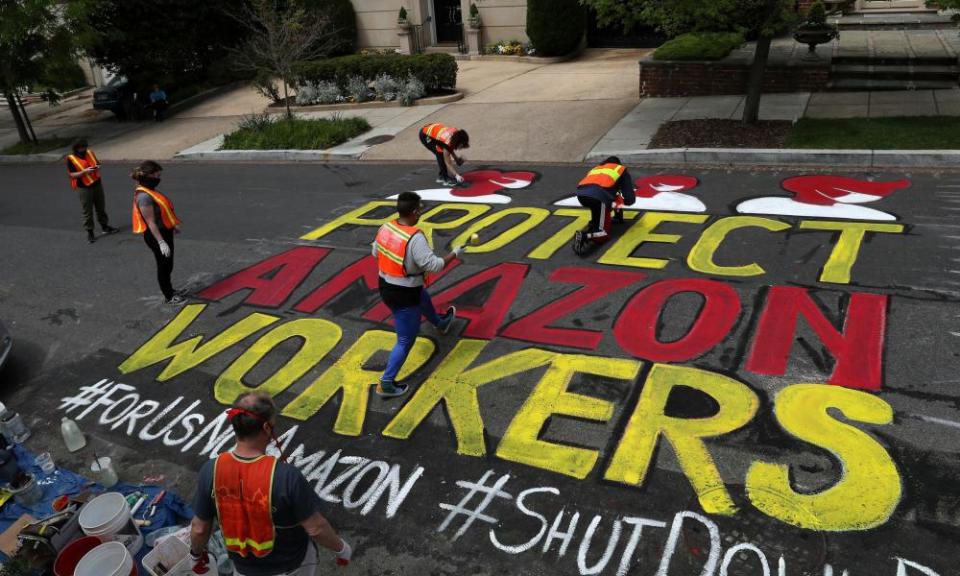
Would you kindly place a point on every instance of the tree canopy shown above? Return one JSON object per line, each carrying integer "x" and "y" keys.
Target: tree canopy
{"x": 169, "y": 42}
{"x": 751, "y": 17}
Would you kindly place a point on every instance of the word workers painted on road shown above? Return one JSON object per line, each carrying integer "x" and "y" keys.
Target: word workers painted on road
{"x": 355, "y": 482}
{"x": 803, "y": 410}
{"x": 549, "y": 231}
{"x": 570, "y": 537}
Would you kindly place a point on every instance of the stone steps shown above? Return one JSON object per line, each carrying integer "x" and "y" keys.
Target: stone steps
{"x": 894, "y": 73}
{"x": 894, "y": 19}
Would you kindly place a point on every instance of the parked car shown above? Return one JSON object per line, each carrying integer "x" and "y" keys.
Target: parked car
{"x": 5, "y": 344}
{"x": 117, "y": 96}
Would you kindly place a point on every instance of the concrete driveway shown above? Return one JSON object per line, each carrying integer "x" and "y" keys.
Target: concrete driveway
{"x": 541, "y": 113}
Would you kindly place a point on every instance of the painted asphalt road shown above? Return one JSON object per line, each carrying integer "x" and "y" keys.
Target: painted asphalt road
{"x": 571, "y": 383}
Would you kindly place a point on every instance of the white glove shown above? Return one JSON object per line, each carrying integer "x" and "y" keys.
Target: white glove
{"x": 164, "y": 249}
{"x": 345, "y": 554}
{"x": 457, "y": 251}
{"x": 459, "y": 179}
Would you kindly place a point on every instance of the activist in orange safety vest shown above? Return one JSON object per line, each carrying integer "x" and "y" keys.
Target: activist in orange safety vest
{"x": 268, "y": 513}
{"x": 605, "y": 186}
{"x": 153, "y": 216}
{"x": 84, "y": 170}
{"x": 404, "y": 258}
{"x": 443, "y": 142}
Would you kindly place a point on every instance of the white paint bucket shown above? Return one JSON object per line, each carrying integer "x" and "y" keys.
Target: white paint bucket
{"x": 109, "y": 559}
{"x": 108, "y": 516}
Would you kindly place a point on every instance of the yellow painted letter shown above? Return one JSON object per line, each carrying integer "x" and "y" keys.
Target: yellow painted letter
{"x": 563, "y": 237}
{"x": 534, "y": 216}
{"x": 642, "y": 232}
{"x": 521, "y": 442}
{"x": 701, "y": 255}
{"x": 190, "y": 353}
{"x": 845, "y": 251}
{"x": 426, "y": 224}
{"x": 319, "y": 338}
{"x": 348, "y": 374}
{"x": 634, "y": 454}
{"x": 868, "y": 489}
{"x": 354, "y": 218}
{"x": 456, "y": 386}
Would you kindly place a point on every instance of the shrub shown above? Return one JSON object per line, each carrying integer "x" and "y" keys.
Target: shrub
{"x": 435, "y": 71}
{"x": 386, "y": 87}
{"x": 328, "y": 93}
{"x": 265, "y": 85}
{"x": 295, "y": 134}
{"x": 817, "y": 14}
{"x": 358, "y": 89}
{"x": 411, "y": 90}
{"x": 555, "y": 26}
{"x": 699, "y": 46}
{"x": 343, "y": 21}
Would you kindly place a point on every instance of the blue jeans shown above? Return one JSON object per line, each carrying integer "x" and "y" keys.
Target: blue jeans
{"x": 407, "y": 323}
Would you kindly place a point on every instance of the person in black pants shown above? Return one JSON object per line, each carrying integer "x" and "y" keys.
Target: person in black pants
{"x": 603, "y": 186}
{"x": 153, "y": 216}
{"x": 444, "y": 142}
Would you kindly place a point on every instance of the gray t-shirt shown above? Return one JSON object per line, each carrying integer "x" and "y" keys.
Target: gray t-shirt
{"x": 145, "y": 200}
{"x": 418, "y": 259}
{"x": 293, "y": 502}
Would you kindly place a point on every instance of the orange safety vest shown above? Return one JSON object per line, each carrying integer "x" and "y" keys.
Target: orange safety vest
{"x": 243, "y": 492}
{"x": 604, "y": 175}
{"x": 440, "y": 133}
{"x": 81, "y": 164}
{"x": 392, "y": 240}
{"x": 167, "y": 215}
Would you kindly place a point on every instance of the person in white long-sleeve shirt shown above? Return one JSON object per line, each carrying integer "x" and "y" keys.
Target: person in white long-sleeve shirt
{"x": 404, "y": 259}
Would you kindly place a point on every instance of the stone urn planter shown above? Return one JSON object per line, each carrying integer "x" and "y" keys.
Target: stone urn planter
{"x": 813, "y": 35}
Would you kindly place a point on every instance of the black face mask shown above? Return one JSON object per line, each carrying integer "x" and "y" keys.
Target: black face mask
{"x": 150, "y": 181}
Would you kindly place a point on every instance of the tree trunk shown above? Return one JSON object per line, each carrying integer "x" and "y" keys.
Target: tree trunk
{"x": 17, "y": 119}
{"x": 286, "y": 99}
{"x": 751, "y": 108}
{"x": 26, "y": 118}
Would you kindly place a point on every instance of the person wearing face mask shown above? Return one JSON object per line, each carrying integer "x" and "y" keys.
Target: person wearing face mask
{"x": 153, "y": 216}
{"x": 268, "y": 512}
{"x": 84, "y": 170}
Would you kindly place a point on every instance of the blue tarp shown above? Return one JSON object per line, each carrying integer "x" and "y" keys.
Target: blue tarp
{"x": 172, "y": 510}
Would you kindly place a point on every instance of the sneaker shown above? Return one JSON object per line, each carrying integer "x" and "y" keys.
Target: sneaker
{"x": 110, "y": 230}
{"x": 176, "y": 300}
{"x": 447, "y": 320}
{"x": 90, "y": 237}
{"x": 182, "y": 292}
{"x": 450, "y": 183}
{"x": 578, "y": 242}
{"x": 440, "y": 180}
{"x": 391, "y": 389}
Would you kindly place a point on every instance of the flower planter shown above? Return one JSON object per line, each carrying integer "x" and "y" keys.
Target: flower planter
{"x": 813, "y": 36}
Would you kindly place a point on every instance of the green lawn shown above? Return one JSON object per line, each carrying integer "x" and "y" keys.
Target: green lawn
{"x": 37, "y": 147}
{"x": 296, "y": 134}
{"x": 898, "y": 133}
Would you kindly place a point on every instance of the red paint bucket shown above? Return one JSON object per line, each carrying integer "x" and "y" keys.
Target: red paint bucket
{"x": 70, "y": 556}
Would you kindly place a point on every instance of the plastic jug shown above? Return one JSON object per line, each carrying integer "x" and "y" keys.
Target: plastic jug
{"x": 72, "y": 436}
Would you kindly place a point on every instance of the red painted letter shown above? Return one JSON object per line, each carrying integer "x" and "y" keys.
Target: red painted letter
{"x": 636, "y": 329}
{"x": 485, "y": 318}
{"x": 596, "y": 283}
{"x": 857, "y": 351}
{"x": 364, "y": 269}
{"x": 272, "y": 280}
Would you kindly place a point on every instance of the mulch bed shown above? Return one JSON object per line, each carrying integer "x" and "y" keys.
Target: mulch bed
{"x": 722, "y": 134}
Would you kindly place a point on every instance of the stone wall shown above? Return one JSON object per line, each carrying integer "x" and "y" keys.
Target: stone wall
{"x": 659, "y": 79}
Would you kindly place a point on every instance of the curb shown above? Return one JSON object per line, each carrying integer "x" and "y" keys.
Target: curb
{"x": 433, "y": 100}
{"x": 781, "y": 157}
{"x": 30, "y": 158}
{"x": 264, "y": 155}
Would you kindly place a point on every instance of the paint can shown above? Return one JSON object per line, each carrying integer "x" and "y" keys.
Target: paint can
{"x": 102, "y": 469}
{"x": 12, "y": 425}
{"x": 29, "y": 493}
{"x": 108, "y": 559}
{"x": 108, "y": 516}
{"x": 69, "y": 557}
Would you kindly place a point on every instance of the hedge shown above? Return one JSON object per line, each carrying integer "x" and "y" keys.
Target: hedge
{"x": 436, "y": 71}
{"x": 555, "y": 27}
{"x": 699, "y": 46}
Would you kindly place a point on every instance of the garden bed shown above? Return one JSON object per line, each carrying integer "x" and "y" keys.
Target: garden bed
{"x": 442, "y": 97}
{"x": 260, "y": 132}
{"x": 721, "y": 134}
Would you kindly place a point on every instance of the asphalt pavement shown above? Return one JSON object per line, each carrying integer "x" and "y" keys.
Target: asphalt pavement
{"x": 803, "y": 325}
